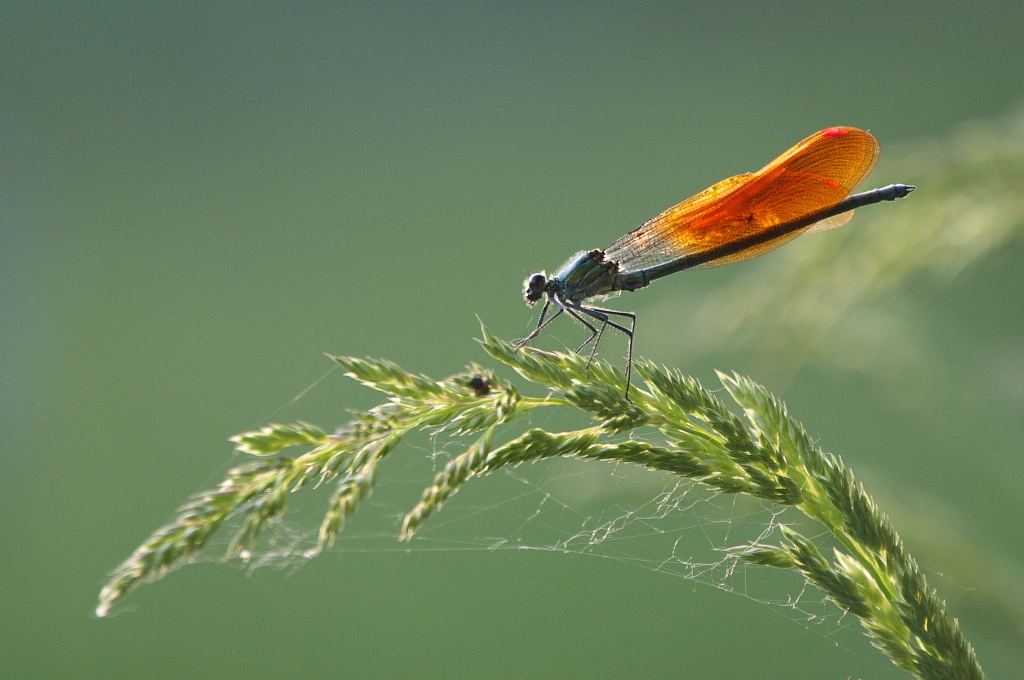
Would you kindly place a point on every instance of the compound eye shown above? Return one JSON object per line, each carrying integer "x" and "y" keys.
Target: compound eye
{"x": 533, "y": 290}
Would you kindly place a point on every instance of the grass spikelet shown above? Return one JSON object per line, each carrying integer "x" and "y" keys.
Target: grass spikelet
{"x": 272, "y": 438}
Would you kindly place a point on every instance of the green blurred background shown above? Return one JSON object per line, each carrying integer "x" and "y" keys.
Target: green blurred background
{"x": 197, "y": 200}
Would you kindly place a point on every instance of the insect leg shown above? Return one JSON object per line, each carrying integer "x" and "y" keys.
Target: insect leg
{"x": 632, "y": 325}
{"x": 602, "y": 315}
{"x": 592, "y": 336}
{"x": 541, "y": 323}
{"x": 594, "y": 333}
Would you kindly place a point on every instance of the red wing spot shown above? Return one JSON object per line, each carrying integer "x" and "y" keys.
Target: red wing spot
{"x": 835, "y": 132}
{"x": 831, "y": 183}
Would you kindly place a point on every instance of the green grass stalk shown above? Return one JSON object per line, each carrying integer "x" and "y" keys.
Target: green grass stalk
{"x": 763, "y": 453}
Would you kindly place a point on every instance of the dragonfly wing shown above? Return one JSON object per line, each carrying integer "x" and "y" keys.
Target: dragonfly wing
{"x": 650, "y": 243}
{"x": 747, "y": 215}
{"x": 833, "y": 222}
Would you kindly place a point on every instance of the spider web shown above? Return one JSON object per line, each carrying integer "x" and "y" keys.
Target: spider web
{"x": 651, "y": 520}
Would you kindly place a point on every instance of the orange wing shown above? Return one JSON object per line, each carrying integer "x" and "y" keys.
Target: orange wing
{"x": 813, "y": 176}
